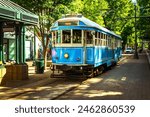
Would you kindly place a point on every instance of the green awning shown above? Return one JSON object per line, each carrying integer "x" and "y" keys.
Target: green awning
{"x": 12, "y": 11}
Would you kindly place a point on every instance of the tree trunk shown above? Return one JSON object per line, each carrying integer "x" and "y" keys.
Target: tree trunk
{"x": 45, "y": 51}
{"x": 105, "y": 23}
{"x": 45, "y": 56}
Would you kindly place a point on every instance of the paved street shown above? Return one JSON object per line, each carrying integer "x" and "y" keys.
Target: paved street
{"x": 128, "y": 80}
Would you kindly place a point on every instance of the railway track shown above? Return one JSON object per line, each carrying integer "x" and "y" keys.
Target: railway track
{"x": 47, "y": 91}
{"x": 11, "y": 93}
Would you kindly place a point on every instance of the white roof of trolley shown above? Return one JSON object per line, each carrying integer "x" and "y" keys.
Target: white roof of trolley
{"x": 87, "y": 22}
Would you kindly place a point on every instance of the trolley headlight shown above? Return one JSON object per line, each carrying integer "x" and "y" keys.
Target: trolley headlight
{"x": 66, "y": 55}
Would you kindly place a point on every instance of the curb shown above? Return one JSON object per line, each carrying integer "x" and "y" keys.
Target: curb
{"x": 122, "y": 59}
{"x": 148, "y": 57}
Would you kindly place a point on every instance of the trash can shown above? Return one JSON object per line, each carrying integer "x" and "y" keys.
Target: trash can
{"x": 39, "y": 66}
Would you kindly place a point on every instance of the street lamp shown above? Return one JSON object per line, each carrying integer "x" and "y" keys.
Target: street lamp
{"x": 135, "y": 25}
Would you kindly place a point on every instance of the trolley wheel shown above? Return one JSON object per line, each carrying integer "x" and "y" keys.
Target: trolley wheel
{"x": 91, "y": 73}
{"x": 101, "y": 69}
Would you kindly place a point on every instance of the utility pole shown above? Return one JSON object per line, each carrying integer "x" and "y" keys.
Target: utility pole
{"x": 135, "y": 25}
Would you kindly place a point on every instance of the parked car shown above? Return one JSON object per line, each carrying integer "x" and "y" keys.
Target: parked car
{"x": 129, "y": 50}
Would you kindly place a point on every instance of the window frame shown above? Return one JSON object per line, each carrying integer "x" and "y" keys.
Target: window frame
{"x": 81, "y": 40}
{"x": 65, "y": 39}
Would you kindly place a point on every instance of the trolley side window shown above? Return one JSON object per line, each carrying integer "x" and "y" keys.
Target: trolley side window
{"x": 116, "y": 42}
{"x": 106, "y": 40}
{"x": 89, "y": 37}
{"x": 96, "y": 34}
{"x": 113, "y": 42}
{"x": 66, "y": 36}
{"x": 109, "y": 41}
{"x": 77, "y": 36}
{"x": 119, "y": 43}
{"x": 97, "y": 38}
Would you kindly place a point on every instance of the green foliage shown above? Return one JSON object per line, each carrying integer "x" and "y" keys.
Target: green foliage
{"x": 127, "y": 36}
{"x": 94, "y": 9}
{"x": 119, "y": 11}
{"x": 76, "y": 6}
{"x": 144, "y": 21}
{"x": 116, "y": 15}
{"x": 48, "y": 11}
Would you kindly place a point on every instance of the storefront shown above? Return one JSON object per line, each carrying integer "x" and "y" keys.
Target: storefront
{"x": 15, "y": 19}
{"x": 9, "y": 47}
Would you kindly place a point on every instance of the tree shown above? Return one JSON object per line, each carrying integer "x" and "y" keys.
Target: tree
{"x": 144, "y": 20}
{"x": 115, "y": 15}
{"x": 91, "y": 9}
{"x": 126, "y": 33}
{"x": 48, "y": 11}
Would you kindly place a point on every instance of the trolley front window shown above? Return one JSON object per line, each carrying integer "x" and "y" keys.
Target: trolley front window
{"x": 66, "y": 36}
{"x": 58, "y": 38}
{"x": 54, "y": 36}
{"x": 77, "y": 36}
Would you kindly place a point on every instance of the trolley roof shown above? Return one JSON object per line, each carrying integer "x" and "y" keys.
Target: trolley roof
{"x": 85, "y": 22}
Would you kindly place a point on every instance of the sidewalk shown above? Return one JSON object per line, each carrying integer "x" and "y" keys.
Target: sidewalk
{"x": 34, "y": 79}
